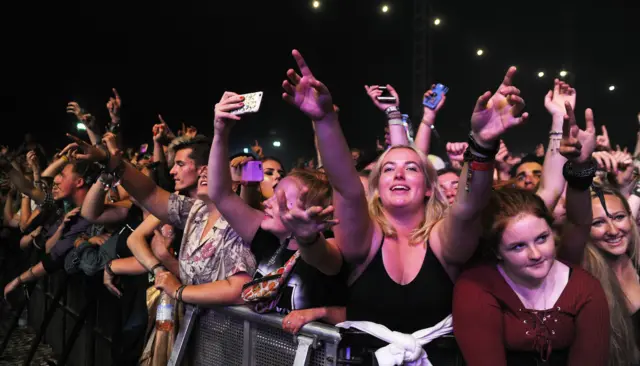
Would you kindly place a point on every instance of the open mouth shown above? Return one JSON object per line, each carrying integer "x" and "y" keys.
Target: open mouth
{"x": 617, "y": 240}
{"x": 399, "y": 188}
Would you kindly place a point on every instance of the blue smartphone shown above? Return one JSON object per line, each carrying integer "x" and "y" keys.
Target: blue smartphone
{"x": 438, "y": 92}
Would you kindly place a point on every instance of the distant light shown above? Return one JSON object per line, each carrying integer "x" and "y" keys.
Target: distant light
{"x": 541, "y": 74}
{"x": 245, "y": 150}
{"x": 385, "y": 8}
{"x": 81, "y": 127}
{"x": 480, "y": 52}
{"x": 563, "y": 73}
{"x": 276, "y": 143}
{"x": 316, "y": 4}
{"x": 436, "y": 21}
{"x": 612, "y": 87}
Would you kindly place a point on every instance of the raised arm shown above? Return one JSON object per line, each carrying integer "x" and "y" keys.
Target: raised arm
{"x": 552, "y": 182}
{"x": 242, "y": 218}
{"x": 423, "y": 136}
{"x": 458, "y": 233}
{"x": 577, "y": 146}
{"x": 151, "y": 197}
{"x": 397, "y": 130}
{"x": 312, "y": 97}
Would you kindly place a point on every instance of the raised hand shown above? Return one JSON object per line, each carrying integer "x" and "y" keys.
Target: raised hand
{"x": 429, "y": 115}
{"x": 455, "y": 150}
{"x": 555, "y": 99}
{"x": 606, "y": 161}
{"x": 494, "y": 114}
{"x": 307, "y": 93}
{"x": 91, "y": 153}
{"x": 539, "y": 150}
{"x": 109, "y": 140}
{"x": 577, "y": 145}
{"x": 32, "y": 160}
{"x": 374, "y": 92}
{"x": 113, "y": 106}
{"x": 74, "y": 108}
{"x": 303, "y": 223}
{"x": 236, "y": 165}
{"x": 223, "y": 118}
{"x": 603, "y": 140}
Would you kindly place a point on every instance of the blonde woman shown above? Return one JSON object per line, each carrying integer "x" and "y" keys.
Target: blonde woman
{"x": 404, "y": 251}
{"x": 612, "y": 256}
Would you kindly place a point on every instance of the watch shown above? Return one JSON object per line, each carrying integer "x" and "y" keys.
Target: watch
{"x": 391, "y": 109}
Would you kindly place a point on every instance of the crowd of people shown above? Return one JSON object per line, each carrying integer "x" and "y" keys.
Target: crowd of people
{"x": 528, "y": 260}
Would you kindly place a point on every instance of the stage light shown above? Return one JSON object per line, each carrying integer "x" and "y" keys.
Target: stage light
{"x": 480, "y": 52}
{"x": 437, "y": 21}
{"x": 245, "y": 150}
{"x": 385, "y": 8}
{"x": 541, "y": 74}
{"x": 612, "y": 87}
{"x": 563, "y": 73}
{"x": 276, "y": 143}
{"x": 316, "y": 4}
{"x": 81, "y": 127}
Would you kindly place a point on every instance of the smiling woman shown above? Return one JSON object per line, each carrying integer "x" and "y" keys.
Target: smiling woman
{"x": 527, "y": 306}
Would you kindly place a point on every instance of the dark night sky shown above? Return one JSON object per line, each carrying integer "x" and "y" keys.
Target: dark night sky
{"x": 178, "y": 59}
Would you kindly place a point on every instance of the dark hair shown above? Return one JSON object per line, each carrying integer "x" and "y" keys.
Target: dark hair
{"x": 529, "y": 158}
{"x": 87, "y": 170}
{"x": 273, "y": 158}
{"x": 446, "y": 170}
{"x": 504, "y": 205}
{"x": 367, "y": 158}
{"x": 248, "y": 155}
{"x": 199, "y": 145}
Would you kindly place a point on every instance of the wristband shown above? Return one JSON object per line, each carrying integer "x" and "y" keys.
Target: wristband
{"x": 156, "y": 266}
{"x": 580, "y": 178}
{"x": 32, "y": 274}
{"x": 481, "y": 150}
{"x": 109, "y": 270}
{"x": 481, "y": 166}
{"x": 396, "y": 122}
{"x": 178, "y": 293}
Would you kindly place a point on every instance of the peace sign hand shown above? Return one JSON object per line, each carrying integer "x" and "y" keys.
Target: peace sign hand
{"x": 303, "y": 223}
{"x": 307, "y": 93}
{"x": 494, "y": 114}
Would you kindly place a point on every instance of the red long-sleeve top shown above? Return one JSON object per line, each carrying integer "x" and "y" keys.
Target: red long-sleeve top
{"x": 493, "y": 328}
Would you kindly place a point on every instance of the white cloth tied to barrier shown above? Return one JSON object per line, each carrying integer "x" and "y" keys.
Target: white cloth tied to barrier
{"x": 403, "y": 349}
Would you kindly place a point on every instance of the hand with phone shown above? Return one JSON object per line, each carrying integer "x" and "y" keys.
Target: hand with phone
{"x": 383, "y": 96}
{"x": 433, "y": 100}
{"x": 223, "y": 118}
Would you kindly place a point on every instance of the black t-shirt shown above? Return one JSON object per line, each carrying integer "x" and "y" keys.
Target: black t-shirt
{"x": 307, "y": 287}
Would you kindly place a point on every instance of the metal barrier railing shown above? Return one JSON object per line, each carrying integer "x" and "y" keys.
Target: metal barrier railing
{"x": 238, "y": 336}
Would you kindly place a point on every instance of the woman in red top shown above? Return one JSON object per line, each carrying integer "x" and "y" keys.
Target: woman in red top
{"x": 529, "y": 309}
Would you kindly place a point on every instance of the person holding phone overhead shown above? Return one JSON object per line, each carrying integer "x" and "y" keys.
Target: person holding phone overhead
{"x": 310, "y": 294}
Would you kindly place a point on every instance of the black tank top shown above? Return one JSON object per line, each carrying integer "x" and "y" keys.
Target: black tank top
{"x": 420, "y": 304}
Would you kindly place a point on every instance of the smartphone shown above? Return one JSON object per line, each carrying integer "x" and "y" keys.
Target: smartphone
{"x": 386, "y": 96}
{"x": 432, "y": 101}
{"x": 252, "y": 171}
{"x": 251, "y": 103}
{"x": 144, "y": 148}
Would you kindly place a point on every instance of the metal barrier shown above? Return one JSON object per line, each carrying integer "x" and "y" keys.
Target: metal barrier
{"x": 236, "y": 335}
